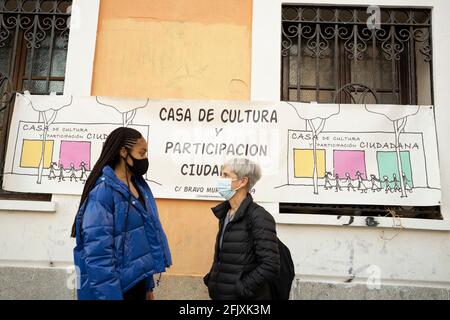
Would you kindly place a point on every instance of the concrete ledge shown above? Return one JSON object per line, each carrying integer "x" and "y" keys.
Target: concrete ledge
{"x": 28, "y": 206}
{"x": 302, "y": 290}
{"x": 21, "y": 283}
{"x": 173, "y": 287}
{"x": 34, "y": 284}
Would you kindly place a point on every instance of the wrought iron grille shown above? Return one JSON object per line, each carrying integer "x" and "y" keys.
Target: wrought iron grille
{"x": 34, "y": 36}
{"x": 332, "y": 54}
{"x": 326, "y": 48}
{"x": 433, "y": 213}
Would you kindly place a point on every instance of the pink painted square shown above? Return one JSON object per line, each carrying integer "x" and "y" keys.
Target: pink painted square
{"x": 75, "y": 152}
{"x": 349, "y": 161}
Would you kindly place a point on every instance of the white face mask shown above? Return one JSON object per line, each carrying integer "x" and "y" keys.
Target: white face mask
{"x": 224, "y": 188}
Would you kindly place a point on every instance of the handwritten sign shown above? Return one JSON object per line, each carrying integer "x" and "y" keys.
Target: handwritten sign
{"x": 309, "y": 153}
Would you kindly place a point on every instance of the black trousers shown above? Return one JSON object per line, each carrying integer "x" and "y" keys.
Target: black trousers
{"x": 138, "y": 292}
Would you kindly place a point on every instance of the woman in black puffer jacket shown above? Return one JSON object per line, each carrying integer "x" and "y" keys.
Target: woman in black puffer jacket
{"x": 246, "y": 255}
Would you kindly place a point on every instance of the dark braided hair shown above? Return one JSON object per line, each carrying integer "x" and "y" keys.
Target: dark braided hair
{"x": 110, "y": 156}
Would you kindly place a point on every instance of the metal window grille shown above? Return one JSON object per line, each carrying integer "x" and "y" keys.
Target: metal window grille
{"x": 341, "y": 55}
{"x": 34, "y": 36}
{"x": 326, "y": 48}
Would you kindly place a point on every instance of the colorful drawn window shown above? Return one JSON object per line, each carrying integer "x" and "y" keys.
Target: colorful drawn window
{"x": 75, "y": 152}
{"x": 349, "y": 162}
{"x": 32, "y": 153}
{"x": 388, "y": 166}
{"x": 304, "y": 163}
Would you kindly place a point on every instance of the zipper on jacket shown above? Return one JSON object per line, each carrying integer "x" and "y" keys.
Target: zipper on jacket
{"x": 153, "y": 220}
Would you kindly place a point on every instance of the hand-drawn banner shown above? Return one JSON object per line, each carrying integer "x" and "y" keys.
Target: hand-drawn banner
{"x": 309, "y": 153}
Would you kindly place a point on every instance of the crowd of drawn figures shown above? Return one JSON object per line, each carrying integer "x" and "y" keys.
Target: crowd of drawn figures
{"x": 359, "y": 184}
{"x": 59, "y": 173}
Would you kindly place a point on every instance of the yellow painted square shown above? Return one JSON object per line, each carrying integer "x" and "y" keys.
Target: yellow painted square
{"x": 304, "y": 163}
{"x": 32, "y": 151}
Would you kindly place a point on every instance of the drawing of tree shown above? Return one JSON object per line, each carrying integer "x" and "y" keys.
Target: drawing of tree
{"x": 48, "y": 107}
{"x": 313, "y": 113}
{"x": 126, "y": 107}
{"x": 398, "y": 115}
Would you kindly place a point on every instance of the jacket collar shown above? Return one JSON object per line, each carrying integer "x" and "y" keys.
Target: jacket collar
{"x": 116, "y": 183}
{"x": 221, "y": 210}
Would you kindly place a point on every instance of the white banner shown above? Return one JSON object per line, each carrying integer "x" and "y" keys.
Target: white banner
{"x": 309, "y": 153}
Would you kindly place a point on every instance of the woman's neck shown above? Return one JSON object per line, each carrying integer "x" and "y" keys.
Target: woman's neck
{"x": 236, "y": 201}
{"x": 122, "y": 172}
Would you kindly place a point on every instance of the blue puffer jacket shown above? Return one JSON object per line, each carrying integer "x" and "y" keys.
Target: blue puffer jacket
{"x": 114, "y": 252}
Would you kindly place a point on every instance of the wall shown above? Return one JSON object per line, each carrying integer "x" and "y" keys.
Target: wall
{"x": 35, "y": 246}
{"x": 164, "y": 50}
{"x": 173, "y": 50}
{"x": 197, "y": 49}
{"x": 323, "y": 250}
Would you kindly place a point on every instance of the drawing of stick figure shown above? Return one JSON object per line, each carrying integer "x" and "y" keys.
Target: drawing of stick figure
{"x": 361, "y": 185}
{"x": 388, "y": 186}
{"x": 375, "y": 180}
{"x": 52, "y": 174}
{"x": 338, "y": 186}
{"x": 327, "y": 181}
{"x": 348, "y": 181}
{"x": 395, "y": 181}
{"x": 61, "y": 173}
{"x": 83, "y": 177}
{"x": 408, "y": 185}
{"x": 72, "y": 172}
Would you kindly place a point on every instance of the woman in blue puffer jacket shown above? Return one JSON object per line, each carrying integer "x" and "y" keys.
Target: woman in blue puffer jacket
{"x": 120, "y": 243}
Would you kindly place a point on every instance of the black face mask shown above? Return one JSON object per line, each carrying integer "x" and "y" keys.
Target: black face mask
{"x": 140, "y": 166}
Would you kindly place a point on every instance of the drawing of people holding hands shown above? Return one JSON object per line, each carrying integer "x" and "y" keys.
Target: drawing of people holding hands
{"x": 53, "y": 167}
{"x": 396, "y": 183}
{"x": 408, "y": 184}
{"x": 338, "y": 185}
{"x": 328, "y": 177}
{"x": 388, "y": 186}
{"x": 348, "y": 181}
{"x": 361, "y": 185}
{"x": 72, "y": 172}
{"x": 375, "y": 186}
{"x": 83, "y": 176}
{"x": 61, "y": 173}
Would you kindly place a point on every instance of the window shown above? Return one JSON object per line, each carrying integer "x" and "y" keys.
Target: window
{"x": 33, "y": 50}
{"x": 331, "y": 54}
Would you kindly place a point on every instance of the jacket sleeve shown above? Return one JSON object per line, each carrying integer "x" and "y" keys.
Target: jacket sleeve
{"x": 98, "y": 239}
{"x": 265, "y": 245}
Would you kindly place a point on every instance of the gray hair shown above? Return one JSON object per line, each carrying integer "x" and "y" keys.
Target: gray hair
{"x": 245, "y": 168}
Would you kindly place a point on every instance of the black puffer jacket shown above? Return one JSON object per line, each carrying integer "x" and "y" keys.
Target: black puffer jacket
{"x": 249, "y": 257}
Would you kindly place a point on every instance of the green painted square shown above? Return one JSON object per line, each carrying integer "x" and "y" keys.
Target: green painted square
{"x": 387, "y": 166}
